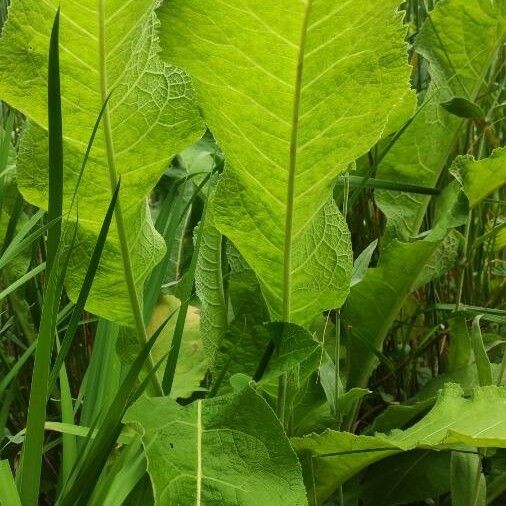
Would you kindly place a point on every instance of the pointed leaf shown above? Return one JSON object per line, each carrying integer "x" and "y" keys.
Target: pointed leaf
{"x": 293, "y": 91}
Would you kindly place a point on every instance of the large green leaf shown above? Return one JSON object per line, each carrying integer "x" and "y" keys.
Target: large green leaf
{"x": 229, "y": 450}
{"x": 480, "y": 178}
{"x": 479, "y": 421}
{"x": 293, "y": 91}
{"x": 403, "y": 267}
{"x": 458, "y": 41}
{"x": 152, "y": 117}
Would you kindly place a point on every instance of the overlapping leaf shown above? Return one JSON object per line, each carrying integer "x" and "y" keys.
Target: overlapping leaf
{"x": 152, "y": 114}
{"x": 458, "y": 40}
{"x": 227, "y": 450}
{"x": 293, "y": 91}
{"x": 336, "y": 456}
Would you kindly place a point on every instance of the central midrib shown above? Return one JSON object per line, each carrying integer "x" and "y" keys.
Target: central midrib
{"x": 290, "y": 201}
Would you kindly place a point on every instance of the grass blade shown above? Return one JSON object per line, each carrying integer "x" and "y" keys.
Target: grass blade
{"x": 55, "y": 144}
{"x": 8, "y": 493}
{"x": 85, "y": 289}
{"x": 93, "y": 457}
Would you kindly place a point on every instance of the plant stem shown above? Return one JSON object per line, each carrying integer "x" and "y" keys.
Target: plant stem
{"x": 464, "y": 260}
{"x": 140, "y": 328}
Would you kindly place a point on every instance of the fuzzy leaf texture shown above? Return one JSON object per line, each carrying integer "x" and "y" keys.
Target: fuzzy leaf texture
{"x": 227, "y": 450}
{"x": 153, "y": 117}
{"x": 459, "y": 42}
{"x": 479, "y": 421}
{"x": 293, "y": 91}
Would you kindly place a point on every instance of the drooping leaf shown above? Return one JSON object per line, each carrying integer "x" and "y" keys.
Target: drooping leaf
{"x": 458, "y": 41}
{"x": 480, "y": 178}
{"x": 152, "y": 117}
{"x": 293, "y": 91}
{"x": 226, "y": 450}
{"x": 293, "y": 346}
{"x": 479, "y": 421}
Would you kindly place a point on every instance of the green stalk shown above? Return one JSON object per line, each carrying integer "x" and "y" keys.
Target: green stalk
{"x": 290, "y": 203}
{"x": 140, "y": 329}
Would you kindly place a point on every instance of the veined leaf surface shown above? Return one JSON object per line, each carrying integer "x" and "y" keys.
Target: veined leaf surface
{"x": 458, "y": 40}
{"x": 293, "y": 91}
{"x": 152, "y": 117}
{"x": 455, "y": 420}
{"x": 480, "y": 178}
{"x": 228, "y": 450}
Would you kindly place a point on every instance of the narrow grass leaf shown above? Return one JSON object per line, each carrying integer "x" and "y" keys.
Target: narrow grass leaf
{"x": 55, "y": 138}
{"x": 8, "y": 492}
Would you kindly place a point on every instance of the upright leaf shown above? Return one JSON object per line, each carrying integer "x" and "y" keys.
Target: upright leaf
{"x": 152, "y": 117}
{"x": 226, "y": 450}
{"x": 458, "y": 41}
{"x": 210, "y": 289}
{"x": 293, "y": 91}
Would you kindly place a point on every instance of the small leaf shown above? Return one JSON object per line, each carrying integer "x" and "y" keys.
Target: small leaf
{"x": 362, "y": 262}
{"x": 463, "y": 108}
{"x": 480, "y": 178}
{"x": 480, "y": 354}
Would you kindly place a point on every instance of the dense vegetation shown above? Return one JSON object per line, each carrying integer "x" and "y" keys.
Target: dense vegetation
{"x": 252, "y": 252}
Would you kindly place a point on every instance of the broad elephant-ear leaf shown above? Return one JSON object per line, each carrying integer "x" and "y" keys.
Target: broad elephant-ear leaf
{"x": 293, "y": 91}
{"x": 459, "y": 41}
{"x": 153, "y": 116}
{"x": 226, "y": 450}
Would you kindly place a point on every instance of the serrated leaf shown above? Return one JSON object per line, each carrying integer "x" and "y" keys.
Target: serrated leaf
{"x": 479, "y": 421}
{"x": 152, "y": 117}
{"x": 480, "y": 178}
{"x": 293, "y": 91}
{"x": 227, "y": 450}
{"x": 458, "y": 41}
